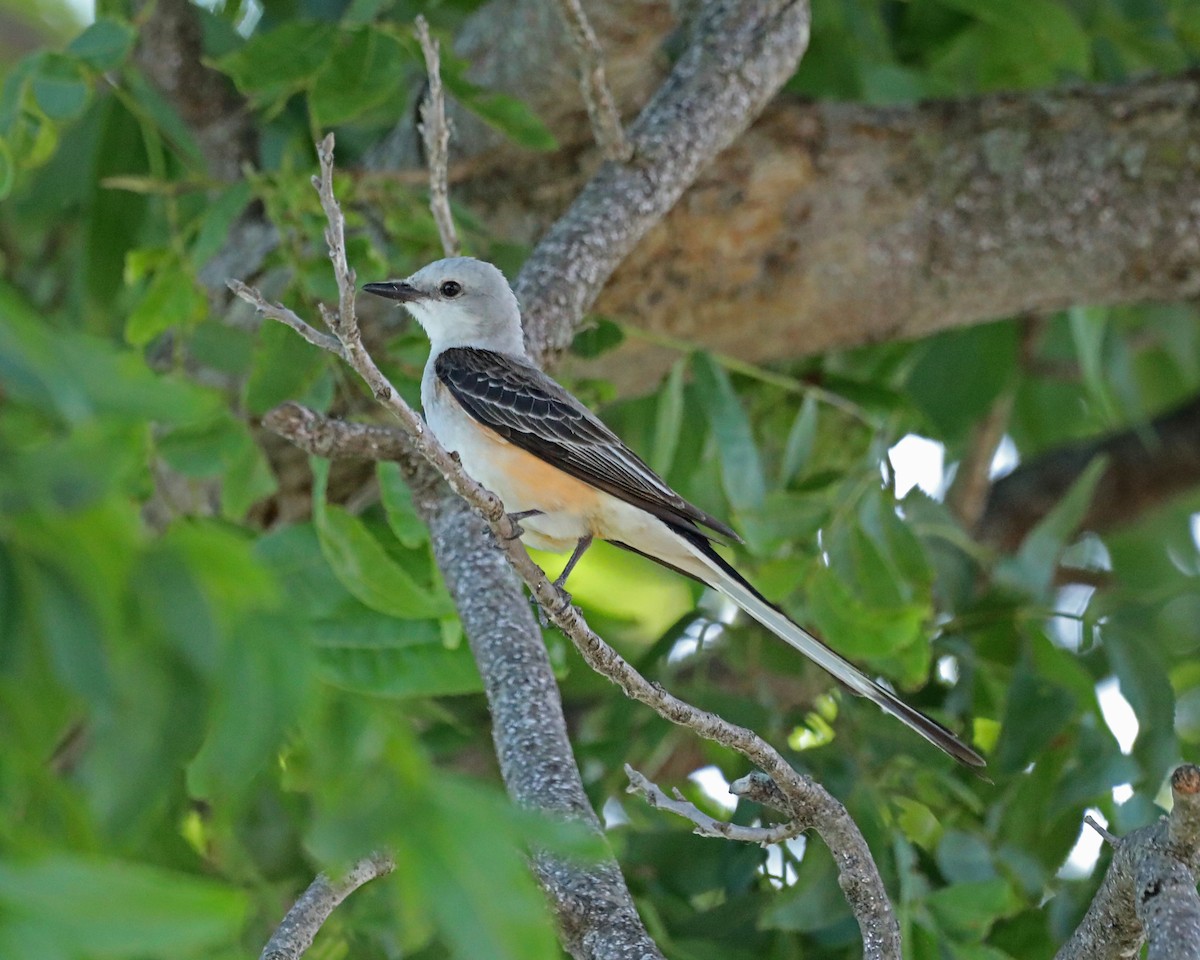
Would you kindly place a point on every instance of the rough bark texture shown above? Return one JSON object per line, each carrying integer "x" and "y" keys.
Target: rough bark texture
{"x": 1147, "y": 465}
{"x": 596, "y": 915}
{"x": 1149, "y": 892}
{"x": 742, "y": 52}
{"x": 836, "y": 225}
{"x": 830, "y": 225}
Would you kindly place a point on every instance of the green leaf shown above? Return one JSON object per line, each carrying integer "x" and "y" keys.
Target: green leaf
{"x": 507, "y": 114}
{"x": 853, "y": 628}
{"x": 104, "y": 45}
{"x": 77, "y": 376}
{"x": 497, "y": 911}
{"x": 1033, "y": 567}
{"x": 954, "y": 402}
{"x": 668, "y": 419}
{"x": 402, "y": 516}
{"x": 264, "y": 679}
{"x": 248, "y": 478}
{"x": 276, "y": 63}
{"x": 60, "y": 87}
{"x": 381, "y": 656}
{"x": 219, "y": 215}
{"x": 598, "y": 337}
{"x": 173, "y": 299}
{"x": 285, "y": 365}
{"x": 1037, "y": 711}
{"x": 364, "y": 70}
{"x": 967, "y": 911}
{"x": 364, "y": 567}
{"x": 741, "y": 469}
{"x": 800, "y": 440}
{"x": 72, "y": 633}
{"x": 1089, "y": 331}
{"x": 119, "y": 909}
{"x": 7, "y": 169}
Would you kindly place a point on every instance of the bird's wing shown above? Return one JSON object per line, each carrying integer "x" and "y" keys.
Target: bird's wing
{"x": 531, "y": 411}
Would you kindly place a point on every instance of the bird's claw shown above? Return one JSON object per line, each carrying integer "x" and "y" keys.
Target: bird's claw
{"x": 516, "y": 518}
{"x": 565, "y": 601}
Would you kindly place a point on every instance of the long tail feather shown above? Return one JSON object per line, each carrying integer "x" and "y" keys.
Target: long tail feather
{"x": 721, "y": 576}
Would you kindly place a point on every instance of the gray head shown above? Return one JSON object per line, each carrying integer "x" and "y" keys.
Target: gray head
{"x": 460, "y": 302}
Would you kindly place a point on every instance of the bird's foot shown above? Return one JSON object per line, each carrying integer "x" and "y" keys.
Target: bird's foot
{"x": 516, "y": 518}
{"x": 518, "y": 531}
{"x": 564, "y": 601}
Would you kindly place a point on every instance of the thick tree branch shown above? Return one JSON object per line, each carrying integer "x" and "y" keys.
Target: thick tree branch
{"x": 1148, "y": 464}
{"x": 1149, "y": 892}
{"x": 835, "y": 225}
{"x": 741, "y": 54}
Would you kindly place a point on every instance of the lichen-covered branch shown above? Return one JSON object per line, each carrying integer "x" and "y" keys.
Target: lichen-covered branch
{"x": 295, "y": 934}
{"x": 705, "y": 825}
{"x": 1148, "y": 896}
{"x": 741, "y": 53}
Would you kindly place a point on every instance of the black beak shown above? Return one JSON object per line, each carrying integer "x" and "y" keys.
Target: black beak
{"x": 400, "y": 290}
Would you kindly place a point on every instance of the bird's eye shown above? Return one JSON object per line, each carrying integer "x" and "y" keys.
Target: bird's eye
{"x": 451, "y": 288}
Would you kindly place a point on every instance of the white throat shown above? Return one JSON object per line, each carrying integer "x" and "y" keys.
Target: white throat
{"x": 449, "y": 324}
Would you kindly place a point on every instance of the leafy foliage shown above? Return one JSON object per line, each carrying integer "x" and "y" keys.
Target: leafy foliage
{"x": 211, "y": 689}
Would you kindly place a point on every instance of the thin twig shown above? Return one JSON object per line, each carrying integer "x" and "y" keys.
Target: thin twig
{"x": 805, "y": 799}
{"x": 436, "y": 132}
{"x": 277, "y": 311}
{"x": 705, "y": 825}
{"x": 295, "y": 934}
{"x": 593, "y": 83}
{"x": 967, "y": 496}
{"x": 1111, "y": 839}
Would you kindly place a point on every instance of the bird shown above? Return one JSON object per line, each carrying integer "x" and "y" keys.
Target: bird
{"x": 567, "y": 477}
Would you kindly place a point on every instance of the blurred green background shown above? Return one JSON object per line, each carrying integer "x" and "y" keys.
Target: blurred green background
{"x": 209, "y": 692}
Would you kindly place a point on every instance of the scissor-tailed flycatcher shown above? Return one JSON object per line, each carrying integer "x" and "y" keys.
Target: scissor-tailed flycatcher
{"x": 569, "y": 477}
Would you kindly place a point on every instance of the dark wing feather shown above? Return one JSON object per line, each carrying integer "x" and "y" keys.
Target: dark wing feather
{"x": 530, "y": 410}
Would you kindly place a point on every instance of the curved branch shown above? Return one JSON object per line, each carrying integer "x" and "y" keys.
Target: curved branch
{"x": 1148, "y": 464}
{"x": 741, "y": 54}
{"x": 295, "y": 934}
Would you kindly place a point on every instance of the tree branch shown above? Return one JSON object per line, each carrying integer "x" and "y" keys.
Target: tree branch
{"x": 1148, "y": 464}
{"x": 1149, "y": 892}
{"x": 295, "y": 934}
{"x": 436, "y": 132}
{"x": 707, "y": 826}
{"x": 741, "y": 54}
{"x": 835, "y": 225}
{"x": 593, "y": 84}
{"x": 170, "y": 51}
